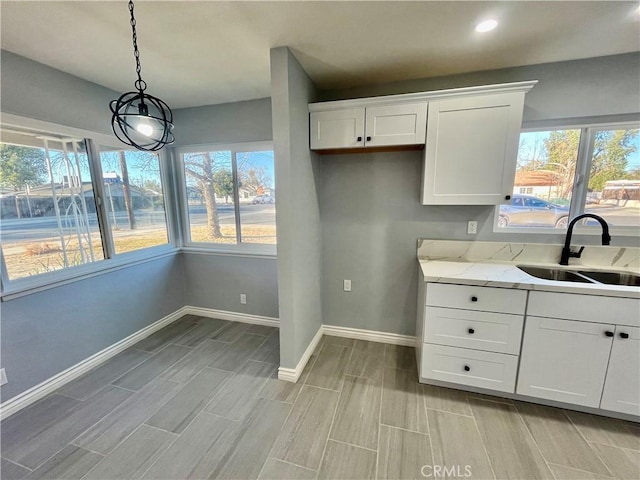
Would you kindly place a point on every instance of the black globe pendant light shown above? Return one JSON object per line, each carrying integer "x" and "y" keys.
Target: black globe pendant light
{"x": 139, "y": 119}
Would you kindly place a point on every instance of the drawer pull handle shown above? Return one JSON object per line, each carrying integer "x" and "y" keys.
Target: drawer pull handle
{"x": 467, "y": 368}
{"x": 608, "y": 333}
{"x": 474, "y": 299}
{"x": 471, "y": 331}
{"x": 624, "y": 335}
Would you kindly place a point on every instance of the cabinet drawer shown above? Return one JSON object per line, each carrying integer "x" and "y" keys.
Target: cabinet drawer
{"x": 493, "y": 332}
{"x": 488, "y": 299}
{"x": 587, "y": 308}
{"x": 494, "y": 371}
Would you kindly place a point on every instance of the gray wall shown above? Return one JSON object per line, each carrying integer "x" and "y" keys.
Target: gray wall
{"x": 370, "y": 213}
{"x": 298, "y": 218}
{"x": 236, "y": 122}
{"x": 216, "y": 281}
{"x": 33, "y": 90}
{"x": 45, "y": 333}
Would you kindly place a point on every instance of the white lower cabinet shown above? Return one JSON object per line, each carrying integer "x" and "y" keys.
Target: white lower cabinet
{"x": 471, "y": 335}
{"x": 622, "y": 386}
{"x": 575, "y": 349}
{"x": 564, "y": 360}
{"x": 494, "y": 371}
{"x": 492, "y": 332}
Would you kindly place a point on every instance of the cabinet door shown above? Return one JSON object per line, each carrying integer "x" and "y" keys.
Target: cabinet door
{"x": 471, "y": 149}
{"x": 337, "y": 129}
{"x": 564, "y": 360}
{"x": 622, "y": 386}
{"x": 396, "y": 125}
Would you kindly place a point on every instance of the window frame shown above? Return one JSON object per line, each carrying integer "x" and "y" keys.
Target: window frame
{"x": 243, "y": 249}
{"x": 14, "y": 288}
{"x": 580, "y": 181}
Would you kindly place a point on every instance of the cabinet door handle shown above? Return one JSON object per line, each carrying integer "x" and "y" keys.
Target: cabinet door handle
{"x": 467, "y": 368}
{"x": 507, "y": 197}
{"x": 359, "y": 139}
{"x": 608, "y": 333}
{"x": 624, "y": 335}
{"x": 474, "y": 299}
{"x": 471, "y": 331}
{"x": 368, "y": 139}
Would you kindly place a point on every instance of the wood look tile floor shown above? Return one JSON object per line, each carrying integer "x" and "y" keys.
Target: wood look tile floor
{"x": 200, "y": 399}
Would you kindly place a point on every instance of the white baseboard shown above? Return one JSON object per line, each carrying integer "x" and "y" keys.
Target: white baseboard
{"x": 370, "y": 335}
{"x": 232, "y": 316}
{"x": 43, "y": 389}
{"x": 293, "y": 374}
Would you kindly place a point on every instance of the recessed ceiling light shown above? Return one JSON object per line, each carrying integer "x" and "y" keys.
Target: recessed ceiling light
{"x": 486, "y": 26}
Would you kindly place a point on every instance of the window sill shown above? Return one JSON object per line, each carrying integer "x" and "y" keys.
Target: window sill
{"x": 253, "y": 251}
{"x": 27, "y": 286}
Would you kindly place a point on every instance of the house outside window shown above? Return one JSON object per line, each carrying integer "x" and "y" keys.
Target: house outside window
{"x": 563, "y": 173}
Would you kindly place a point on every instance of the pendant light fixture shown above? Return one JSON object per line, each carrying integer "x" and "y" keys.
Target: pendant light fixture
{"x": 139, "y": 119}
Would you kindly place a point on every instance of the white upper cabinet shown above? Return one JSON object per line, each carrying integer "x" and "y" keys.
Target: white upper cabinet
{"x": 471, "y": 149}
{"x": 470, "y": 135}
{"x": 342, "y": 128}
{"x": 396, "y": 125}
{"x": 377, "y": 126}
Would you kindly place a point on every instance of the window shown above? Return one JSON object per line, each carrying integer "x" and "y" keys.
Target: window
{"x": 135, "y": 201}
{"x": 566, "y": 172}
{"x": 50, "y": 220}
{"x": 230, "y": 195}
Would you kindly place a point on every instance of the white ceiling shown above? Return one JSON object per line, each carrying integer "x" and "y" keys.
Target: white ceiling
{"x": 207, "y": 52}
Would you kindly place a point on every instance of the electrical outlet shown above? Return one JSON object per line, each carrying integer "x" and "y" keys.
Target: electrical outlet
{"x": 347, "y": 285}
{"x": 472, "y": 227}
{"x": 243, "y": 298}
{"x": 3, "y": 377}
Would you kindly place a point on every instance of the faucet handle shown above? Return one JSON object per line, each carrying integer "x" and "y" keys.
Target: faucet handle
{"x": 576, "y": 254}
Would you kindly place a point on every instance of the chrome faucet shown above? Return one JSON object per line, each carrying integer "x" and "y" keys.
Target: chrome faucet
{"x": 566, "y": 251}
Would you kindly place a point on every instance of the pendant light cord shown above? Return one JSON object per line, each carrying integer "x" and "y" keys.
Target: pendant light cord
{"x": 140, "y": 84}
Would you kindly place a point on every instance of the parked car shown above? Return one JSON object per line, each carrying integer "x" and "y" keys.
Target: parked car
{"x": 264, "y": 198}
{"x": 528, "y": 211}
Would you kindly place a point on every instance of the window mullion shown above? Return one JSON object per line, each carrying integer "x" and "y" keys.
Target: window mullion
{"x": 170, "y": 194}
{"x": 4, "y": 274}
{"x": 236, "y": 196}
{"x": 99, "y": 194}
{"x": 581, "y": 181}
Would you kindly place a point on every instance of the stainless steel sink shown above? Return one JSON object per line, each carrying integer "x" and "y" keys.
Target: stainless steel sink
{"x": 554, "y": 274}
{"x": 613, "y": 278}
{"x": 582, "y": 276}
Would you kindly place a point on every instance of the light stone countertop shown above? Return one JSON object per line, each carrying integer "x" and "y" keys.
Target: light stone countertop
{"x": 494, "y": 264}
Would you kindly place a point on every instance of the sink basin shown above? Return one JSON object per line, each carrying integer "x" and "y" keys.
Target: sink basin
{"x": 613, "y": 278}
{"x": 582, "y": 276}
{"x": 554, "y": 274}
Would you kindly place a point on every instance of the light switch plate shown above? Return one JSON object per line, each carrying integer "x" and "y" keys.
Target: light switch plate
{"x": 243, "y": 298}
{"x": 347, "y": 285}
{"x": 472, "y": 227}
{"x": 3, "y": 377}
